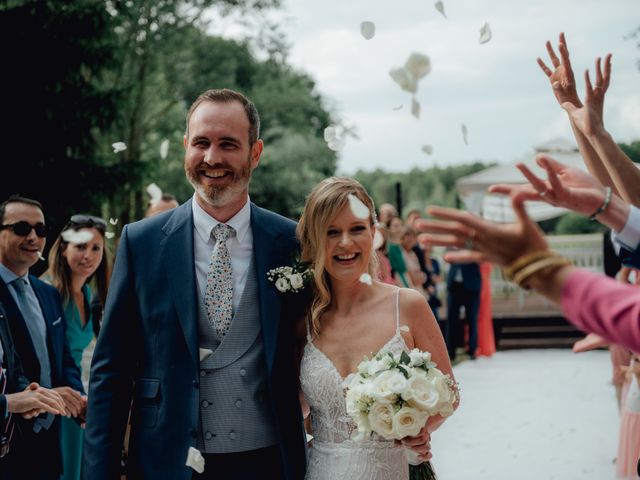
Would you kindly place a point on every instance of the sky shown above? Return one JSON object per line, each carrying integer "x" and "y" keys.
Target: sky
{"x": 496, "y": 89}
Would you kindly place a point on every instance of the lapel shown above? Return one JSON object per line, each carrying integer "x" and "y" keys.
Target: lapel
{"x": 177, "y": 253}
{"x": 49, "y": 317}
{"x": 266, "y": 250}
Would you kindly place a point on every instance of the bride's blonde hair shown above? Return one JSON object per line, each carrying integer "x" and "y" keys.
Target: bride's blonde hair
{"x": 324, "y": 201}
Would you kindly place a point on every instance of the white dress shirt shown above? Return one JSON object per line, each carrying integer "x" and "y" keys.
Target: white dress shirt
{"x": 240, "y": 247}
{"x": 629, "y": 236}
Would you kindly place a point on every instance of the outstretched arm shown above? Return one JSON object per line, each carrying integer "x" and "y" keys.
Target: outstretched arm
{"x": 564, "y": 88}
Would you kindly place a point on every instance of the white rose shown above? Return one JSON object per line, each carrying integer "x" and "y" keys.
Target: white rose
{"x": 416, "y": 357}
{"x": 407, "y": 422}
{"x": 296, "y": 281}
{"x": 381, "y": 387}
{"x": 381, "y": 419}
{"x": 446, "y": 396}
{"x": 397, "y": 382}
{"x": 421, "y": 393}
{"x": 282, "y": 284}
{"x": 374, "y": 366}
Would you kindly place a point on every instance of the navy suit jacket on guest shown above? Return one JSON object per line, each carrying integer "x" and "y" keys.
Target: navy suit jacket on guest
{"x": 148, "y": 350}
{"x": 64, "y": 372}
{"x": 471, "y": 278}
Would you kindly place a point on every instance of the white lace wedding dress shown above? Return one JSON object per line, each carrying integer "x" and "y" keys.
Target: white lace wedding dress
{"x": 333, "y": 453}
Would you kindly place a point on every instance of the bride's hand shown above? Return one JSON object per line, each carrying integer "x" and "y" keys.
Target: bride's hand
{"x": 420, "y": 444}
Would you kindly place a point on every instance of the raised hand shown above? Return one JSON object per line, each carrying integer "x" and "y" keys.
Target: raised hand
{"x": 561, "y": 77}
{"x": 565, "y": 187}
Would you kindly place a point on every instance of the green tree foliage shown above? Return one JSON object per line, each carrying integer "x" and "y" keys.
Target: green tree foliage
{"x": 632, "y": 150}
{"x": 573, "y": 224}
{"x": 420, "y": 188}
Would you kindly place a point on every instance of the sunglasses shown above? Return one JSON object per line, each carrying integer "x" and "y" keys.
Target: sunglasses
{"x": 23, "y": 228}
{"x": 88, "y": 221}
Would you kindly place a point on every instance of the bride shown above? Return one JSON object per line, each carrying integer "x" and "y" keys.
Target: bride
{"x": 350, "y": 318}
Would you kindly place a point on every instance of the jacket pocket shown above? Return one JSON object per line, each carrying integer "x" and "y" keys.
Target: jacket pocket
{"x": 147, "y": 399}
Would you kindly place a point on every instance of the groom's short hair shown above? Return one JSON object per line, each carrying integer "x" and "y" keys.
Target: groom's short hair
{"x": 225, "y": 95}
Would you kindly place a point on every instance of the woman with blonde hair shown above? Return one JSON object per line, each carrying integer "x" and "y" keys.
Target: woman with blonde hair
{"x": 351, "y": 316}
{"x": 77, "y": 257}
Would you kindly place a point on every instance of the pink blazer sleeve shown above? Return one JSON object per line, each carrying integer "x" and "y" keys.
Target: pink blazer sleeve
{"x": 596, "y": 303}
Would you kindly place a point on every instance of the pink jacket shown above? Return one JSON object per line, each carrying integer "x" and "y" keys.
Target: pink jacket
{"x": 596, "y": 303}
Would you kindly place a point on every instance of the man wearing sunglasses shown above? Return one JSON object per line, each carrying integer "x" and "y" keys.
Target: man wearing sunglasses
{"x": 36, "y": 321}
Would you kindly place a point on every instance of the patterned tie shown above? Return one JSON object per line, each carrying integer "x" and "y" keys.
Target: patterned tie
{"x": 38, "y": 336}
{"x": 218, "y": 298}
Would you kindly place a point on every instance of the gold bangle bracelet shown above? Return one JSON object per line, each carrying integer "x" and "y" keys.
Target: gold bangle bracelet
{"x": 546, "y": 265}
{"x": 519, "y": 263}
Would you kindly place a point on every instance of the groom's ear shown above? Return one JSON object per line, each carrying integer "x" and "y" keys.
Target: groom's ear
{"x": 256, "y": 152}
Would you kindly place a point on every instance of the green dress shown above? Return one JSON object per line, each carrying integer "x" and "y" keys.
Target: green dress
{"x": 78, "y": 338}
{"x": 394, "y": 252}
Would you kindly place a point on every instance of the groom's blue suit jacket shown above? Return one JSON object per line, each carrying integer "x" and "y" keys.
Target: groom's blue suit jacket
{"x": 149, "y": 338}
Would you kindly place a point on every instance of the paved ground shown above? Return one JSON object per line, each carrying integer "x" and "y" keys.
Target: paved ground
{"x": 531, "y": 415}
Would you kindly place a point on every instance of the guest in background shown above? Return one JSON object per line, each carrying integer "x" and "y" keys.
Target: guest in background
{"x": 434, "y": 279}
{"x": 394, "y": 252}
{"x": 380, "y": 245}
{"x": 386, "y": 213}
{"x": 166, "y": 202}
{"x": 463, "y": 290}
{"x": 74, "y": 262}
{"x": 416, "y": 276}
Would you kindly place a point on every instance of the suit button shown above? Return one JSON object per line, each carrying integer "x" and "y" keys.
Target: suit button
{"x": 193, "y": 433}
{"x": 243, "y": 372}
{"x": 196, "y": 385}
{"x": 232, "y": 435}
{"x": 205, "y": 404}
{"x": 203, "y": 373}
{"x": 208, "y": 435}
{"x": 238, "y": 403}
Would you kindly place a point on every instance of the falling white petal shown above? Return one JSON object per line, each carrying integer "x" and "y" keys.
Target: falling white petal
{"x": 440, "y": 8}
{"x": 155, "y": 193}
{"x": 109, "y": 235}
{"x": 204, "y": 353}
{"x": 366, "y": 278}
{"x": 404, "y": 328}
{"x": 164, "y": 148}
{"x": 330, "y": 133}
{"x": 113, "y": 221}
{"x": 119, "y": 147}
{"x": 309, "y": 438}
{"x": 195, "y": 460}
{"x": 428, "y": 149}
{"x": 378, "y": 240}
{"x": 464, "y": 134}
{"x": 418, "y": 65}
{"x": 358, "y": 208}
{"x": 336, "y": 144}
{"x": 485, "y": 33}
{"x": 77, "y": 236}
{"x": 404, "y": 79}
{"x": 415, "y": 107}
{"x": 398, "y": 107}
{"x": 368, "y": 30}
{"x": 41, "y": 257}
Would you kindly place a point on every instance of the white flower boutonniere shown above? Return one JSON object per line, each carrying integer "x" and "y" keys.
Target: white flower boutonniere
{"x": 290, "y": 279}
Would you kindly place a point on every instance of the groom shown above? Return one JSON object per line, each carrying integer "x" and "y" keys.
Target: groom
{"x": 193, "y": 333}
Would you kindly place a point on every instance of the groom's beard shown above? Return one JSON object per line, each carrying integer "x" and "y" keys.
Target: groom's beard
{"x": 223, "y": 195}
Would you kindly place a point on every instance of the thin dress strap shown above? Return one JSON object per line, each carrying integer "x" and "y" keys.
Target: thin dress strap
{"x": 398, "y": 310}
{"x": 308, "y": 331}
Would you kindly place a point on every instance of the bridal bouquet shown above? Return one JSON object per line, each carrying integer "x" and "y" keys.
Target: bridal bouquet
{"x": 393, "y": 395}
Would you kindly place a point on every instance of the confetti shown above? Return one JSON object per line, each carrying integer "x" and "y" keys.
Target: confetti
{"x": 164, "y": 148}
{"x": 113, "y": 221}
{"x": 358, "y": 208}
{"x": 77, "y": 236}
{"x": 109, "y": 235}
{"x": 464, "y": 134}
{"x": 418, "y": 65}
{"x": 119, "y": 147}
{"x": 330, "y": 133}
{"x": 428, "y": 149}
{"x": 485, "y": 33}
{"x": 336, "y": 144}
{"x": 204, "y": 353}
{"x": 415, "y": 107}
{"x": 440, "y": 7}
{"x": 155, "y": 193}
{"x": 398, "y": 107}
{"x": 378, "y": 240}
{"x": 368, "y": 30}
{"x": 405, "y": 328}
{"x": 366, "y": 278}
{"x": 309, "y": 438}
{"x": 404, "y": 79}
{"x": 41, "y": 257}
{"x": 195, "y": 460}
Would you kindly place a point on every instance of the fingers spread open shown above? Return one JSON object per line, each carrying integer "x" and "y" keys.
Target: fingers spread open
{"x": 607, "y": 71}
{"x": 552, "y": 55}
{"x": 544, "y": 67}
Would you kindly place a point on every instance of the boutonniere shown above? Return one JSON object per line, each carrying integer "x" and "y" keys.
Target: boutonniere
{"x": 291, "y": 278}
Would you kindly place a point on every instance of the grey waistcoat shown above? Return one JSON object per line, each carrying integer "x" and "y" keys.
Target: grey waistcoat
{"x": 235, "y": 414}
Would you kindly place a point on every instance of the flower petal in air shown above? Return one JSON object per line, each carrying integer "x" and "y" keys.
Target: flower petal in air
{"x": 464, "y": 134}
{"x": 415, "y": 107}
{"x": 109, "y": 235}
{"x": 336, "y": 144}
{"x": 440, "y": 7}
{"x": 368, "y": 30}
{"x": 366, "y": 278}
{"x": 378, "y": 240}
{"x": 485, "y": 33}
{"x": 428, "y": 149}
{"x": 119, "y": 147}
{"x": 398, "y": 107}
{"x": 113, "y": 221}
{"x": 204, "y": 353}
{"x": 418, "y": 65}
{"x": 404, "y": 79}
{"x": 164, "y": 148}
{"x": 77, "y": 236}
{"x": 358, "y": 208}
{"x": 154, "y": 192}
{"x": 330, "y": 133}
